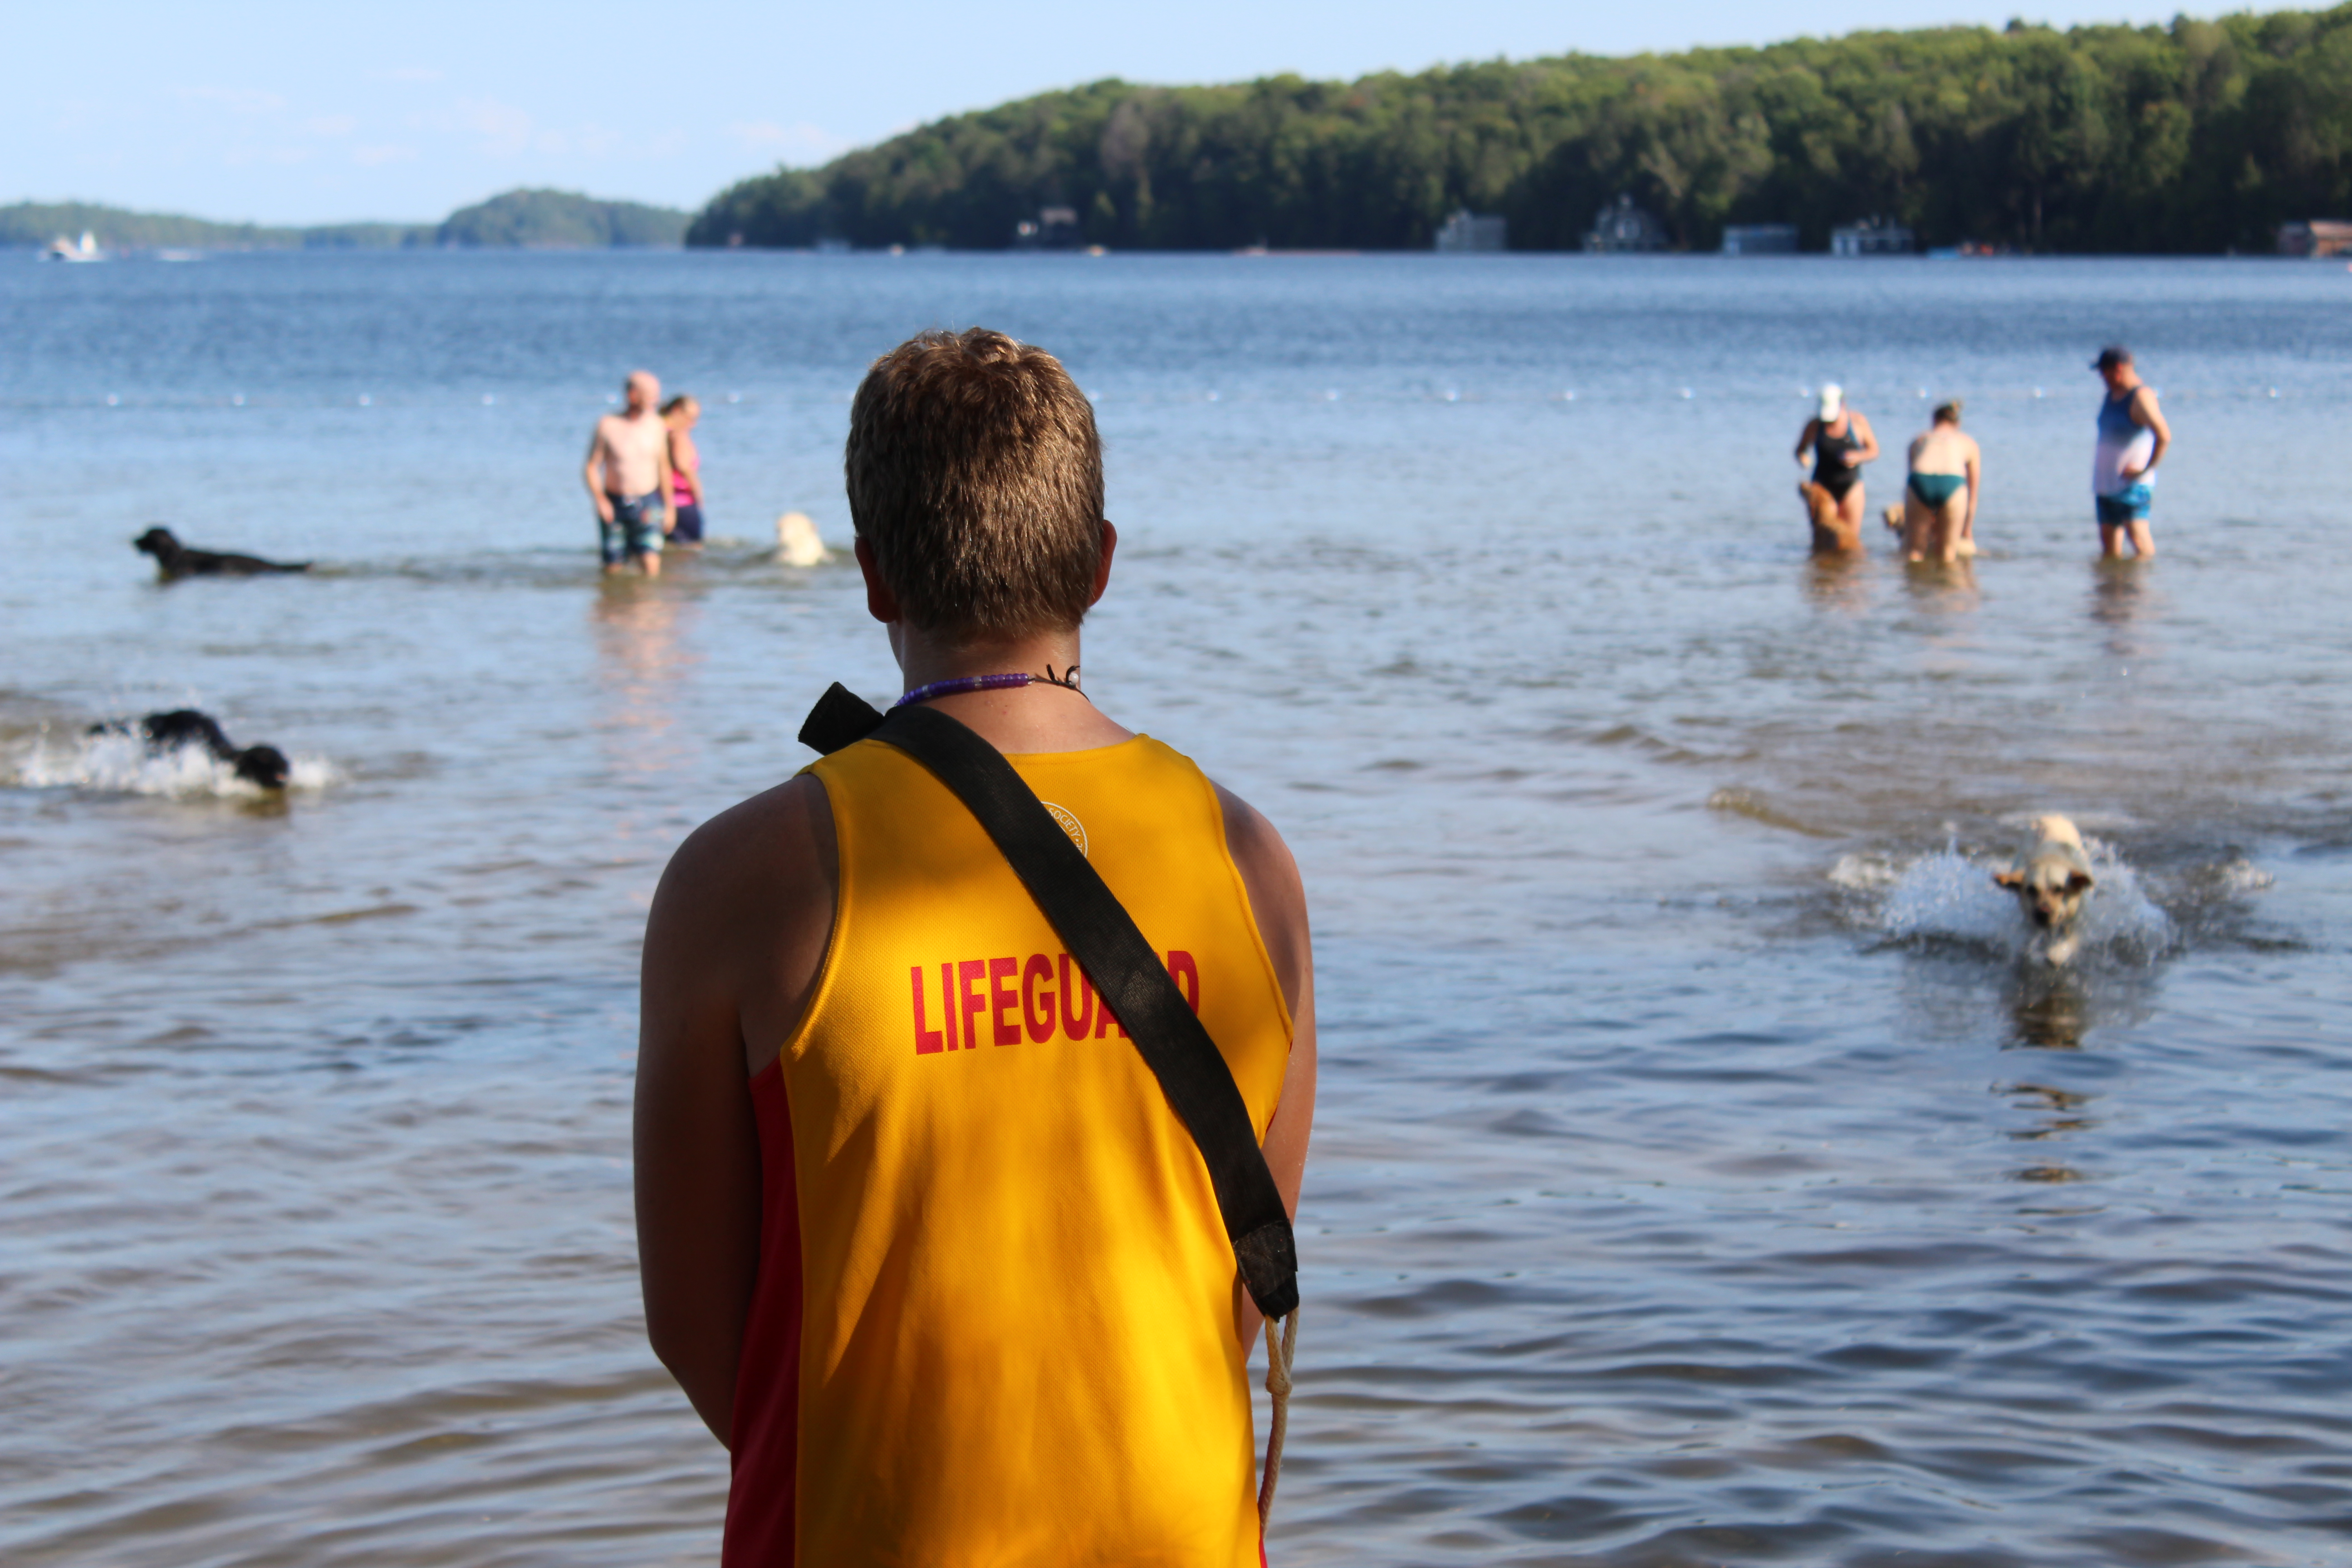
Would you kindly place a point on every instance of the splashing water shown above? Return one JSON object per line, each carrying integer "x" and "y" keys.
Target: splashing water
{"x": 1949, "y": 897}
{"x": 122, "y": 764}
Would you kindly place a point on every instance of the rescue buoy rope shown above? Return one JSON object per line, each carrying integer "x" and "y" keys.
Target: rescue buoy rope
{"x": 1278, "y": 1356}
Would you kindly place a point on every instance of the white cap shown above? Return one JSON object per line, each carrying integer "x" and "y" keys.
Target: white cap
{"x": 1833, "y": 399}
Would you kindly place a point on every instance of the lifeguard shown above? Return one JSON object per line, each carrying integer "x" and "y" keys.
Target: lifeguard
{"x": 921, "y": 1237}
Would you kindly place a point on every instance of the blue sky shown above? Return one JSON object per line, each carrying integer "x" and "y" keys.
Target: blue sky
{"x": 310, "y": 113}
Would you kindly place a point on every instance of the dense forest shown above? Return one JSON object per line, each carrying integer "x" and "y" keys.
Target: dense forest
{"x": 2201, "y": 136}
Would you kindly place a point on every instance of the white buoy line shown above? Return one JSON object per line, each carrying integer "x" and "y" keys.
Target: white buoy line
{"x": 1856, "y": 393}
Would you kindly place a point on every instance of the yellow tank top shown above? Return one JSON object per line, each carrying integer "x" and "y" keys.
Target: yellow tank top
{"x": 995, "y": 1318}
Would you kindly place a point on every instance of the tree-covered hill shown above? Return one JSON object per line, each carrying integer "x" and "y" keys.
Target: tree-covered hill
{"x": 2201, "y": 136}
{"x": 518, "y": 219}
{"x": 560, "y": 218}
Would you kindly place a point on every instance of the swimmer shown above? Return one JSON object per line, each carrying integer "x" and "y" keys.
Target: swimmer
{"x": 1938, "y": 514}
{"x": 680, "y": 415}
{"x": 2133, "y": 438}
{"x": 1841, "y": 441}
{"x": 627, "y": 474}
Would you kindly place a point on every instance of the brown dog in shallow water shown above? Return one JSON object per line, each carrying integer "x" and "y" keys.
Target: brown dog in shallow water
{"x": 2050, "y": 883}
{"x": 1832, "y": 533}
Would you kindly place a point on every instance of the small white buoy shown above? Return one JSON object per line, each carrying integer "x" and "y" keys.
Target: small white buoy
{"x": 1451, "y": 395}
{"x": 1923, "y": 392}
{"x": 113, "y": 401}
{"x": 2037, "y": 392}
{"x": 1569, "y": 397}
{"x": 237, "y": 399}
{"x": 734, "y": 398}
{"x": 1212, "y": 397}
{"x": 2274, "y": 392}
{"x": 487, "y": 400}
{"x": 1331, "y": 396}
{"x": 1687, "y": 394}
{"x": 365, "y": 400}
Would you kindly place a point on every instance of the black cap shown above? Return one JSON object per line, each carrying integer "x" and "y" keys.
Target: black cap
{"x": 2111, "y": 357}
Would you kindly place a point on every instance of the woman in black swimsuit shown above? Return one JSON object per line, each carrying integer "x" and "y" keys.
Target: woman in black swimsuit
{"x": 1841, "y": 441}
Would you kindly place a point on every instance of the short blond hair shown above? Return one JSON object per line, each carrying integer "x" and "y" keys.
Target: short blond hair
{"x": 975, "y": 478}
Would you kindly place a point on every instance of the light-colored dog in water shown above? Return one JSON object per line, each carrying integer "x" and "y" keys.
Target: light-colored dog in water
{"x": 797, "y": 544}
{"x": 2052, "y": 882}
{"x": 1963, "y": 547}
{"x": 1830, "y": 533}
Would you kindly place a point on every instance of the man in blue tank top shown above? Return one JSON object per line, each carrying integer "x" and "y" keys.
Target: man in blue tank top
{"x": 2133, "y": 438}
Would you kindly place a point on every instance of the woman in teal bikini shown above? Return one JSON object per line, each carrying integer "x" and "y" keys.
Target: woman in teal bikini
{"x": 1938, "y": 514}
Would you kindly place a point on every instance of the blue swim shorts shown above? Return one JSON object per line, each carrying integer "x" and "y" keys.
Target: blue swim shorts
{"x": 635, "y": 528}
{"x": 2127, "y": 506}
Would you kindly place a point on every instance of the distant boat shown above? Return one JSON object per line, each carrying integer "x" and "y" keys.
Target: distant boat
{"x": 64, "y": 249}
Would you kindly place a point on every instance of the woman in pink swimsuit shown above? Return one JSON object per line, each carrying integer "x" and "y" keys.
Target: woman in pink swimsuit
{"x": 679, "y": 414}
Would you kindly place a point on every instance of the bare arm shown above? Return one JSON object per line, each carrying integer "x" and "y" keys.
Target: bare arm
{"x": 691, "y": 469}
{"x": 1974, "y": 468}
{"x": 2145, "y": 411}
{"x": 1805, "y": 438}
{"x": 662, "y": 488}
{"x": 1278, "y": 900}
{"x": 733, "y": 945}
{"x": 1868, "y": 450}
{"x": 592, "y": 474}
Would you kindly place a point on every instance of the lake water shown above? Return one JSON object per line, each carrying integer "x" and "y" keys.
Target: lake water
{"x": 1703, "y": 1174}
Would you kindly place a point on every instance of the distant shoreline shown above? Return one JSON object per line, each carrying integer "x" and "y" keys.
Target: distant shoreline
{"x": 515, "y": 220}
{"x": 2199, "y": 137}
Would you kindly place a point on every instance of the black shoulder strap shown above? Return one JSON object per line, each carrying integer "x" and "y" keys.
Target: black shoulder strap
{"x": 1102, "y": 936}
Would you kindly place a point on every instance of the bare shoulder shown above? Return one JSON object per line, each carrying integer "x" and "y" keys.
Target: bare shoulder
{"x": 778, "y": 829}
{"x": 754, "y": 882}
{"x": 1277, "y": 898}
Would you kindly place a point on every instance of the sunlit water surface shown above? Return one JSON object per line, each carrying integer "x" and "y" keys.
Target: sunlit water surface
{"x": 1707, "y": 1172}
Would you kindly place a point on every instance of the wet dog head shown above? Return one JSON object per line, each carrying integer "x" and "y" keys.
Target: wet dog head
{"x": 263, "y": 765}
{"x": 158, "y": 542}
{"x": 2054, "y": 877}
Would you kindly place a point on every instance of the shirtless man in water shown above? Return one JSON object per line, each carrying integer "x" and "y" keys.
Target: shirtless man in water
{"x": 628, "y": 476}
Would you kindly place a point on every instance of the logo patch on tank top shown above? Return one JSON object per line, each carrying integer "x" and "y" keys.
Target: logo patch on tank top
{"x": 1070, "y": 824}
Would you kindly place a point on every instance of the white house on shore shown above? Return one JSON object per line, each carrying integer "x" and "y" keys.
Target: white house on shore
{"x": 2320, "y": 236}
{"x": 1760, "y": 239}
{"x": 1467, "y": 232}
{"x": 1870, "y": 236}
{"x": 1623, "y": 226}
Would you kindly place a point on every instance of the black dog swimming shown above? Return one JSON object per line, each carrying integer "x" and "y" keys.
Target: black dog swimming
{"x": 263, "y": 765}
{"x": 176, "y": 560}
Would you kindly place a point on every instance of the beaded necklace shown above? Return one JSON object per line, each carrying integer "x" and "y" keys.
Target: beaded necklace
{"x": 1067, "y": 681}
